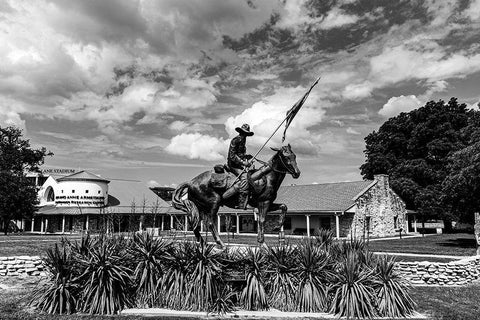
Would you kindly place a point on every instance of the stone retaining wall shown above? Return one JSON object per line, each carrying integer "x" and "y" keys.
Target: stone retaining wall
{"x": 436, "y": 273}
{"x": 21, "y": 266}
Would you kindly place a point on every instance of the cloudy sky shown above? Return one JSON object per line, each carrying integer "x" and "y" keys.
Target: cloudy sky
{"x": 152, "y": 90}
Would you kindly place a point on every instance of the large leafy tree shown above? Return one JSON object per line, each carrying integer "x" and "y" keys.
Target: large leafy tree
{"x": 415, "y": 150}
{"x": 18, "y": 196}
{"x": 461, "y": 186}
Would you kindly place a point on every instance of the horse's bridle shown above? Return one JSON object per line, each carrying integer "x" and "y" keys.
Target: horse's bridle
{"x": 269, "y": 164}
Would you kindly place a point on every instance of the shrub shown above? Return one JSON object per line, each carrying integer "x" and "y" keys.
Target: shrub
{"x": 104, "y": 277}
{"x": 353, "y": 289}
{"x": 253, "y": 296}
{"x": 205, "y": 275}
{"x": 60, "y": 295}
{"x": 281, "y": 277}
{"x": 391, "y": 291}
{"x": 148, "y": 254}
{"x": 224, "y": 303}
{"x": 314, "y": 274}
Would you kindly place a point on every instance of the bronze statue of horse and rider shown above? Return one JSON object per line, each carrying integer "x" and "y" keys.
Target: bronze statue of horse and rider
{"x": 202, "y": 196}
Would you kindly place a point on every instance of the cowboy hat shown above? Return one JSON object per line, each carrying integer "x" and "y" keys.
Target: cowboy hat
{"x": 245, "y": 129}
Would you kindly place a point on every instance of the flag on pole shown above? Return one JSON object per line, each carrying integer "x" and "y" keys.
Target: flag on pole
{"x": 294, "y": 110}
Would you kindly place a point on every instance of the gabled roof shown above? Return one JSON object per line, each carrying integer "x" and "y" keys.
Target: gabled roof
{"x": 83, "y": 176}
{"x": 327, "y": 197}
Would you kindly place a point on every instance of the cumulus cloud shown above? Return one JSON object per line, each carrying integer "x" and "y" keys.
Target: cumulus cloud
{"x": 198, "y": 146}
{"x": 473, "y": 10}
{"x": 396, "y": 105}
{"x": 350, "y": 130}
{"x": 265, "y": 116}
{"x": 337, "y": 18}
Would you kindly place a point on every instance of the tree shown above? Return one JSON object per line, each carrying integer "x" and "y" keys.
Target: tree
{"x": 414, "y": 149}
{"x": 18, "y": 196}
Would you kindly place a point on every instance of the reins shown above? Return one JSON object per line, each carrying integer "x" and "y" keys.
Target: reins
{"x": 275, "y": 169}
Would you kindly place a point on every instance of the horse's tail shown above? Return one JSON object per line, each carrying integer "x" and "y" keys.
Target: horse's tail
{"x": 185, "y": 205}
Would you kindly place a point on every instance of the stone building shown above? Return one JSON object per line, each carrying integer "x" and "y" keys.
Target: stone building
{"x": 368, "y": 208}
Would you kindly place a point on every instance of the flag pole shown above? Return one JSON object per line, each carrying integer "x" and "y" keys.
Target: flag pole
{"x": 278, "y": 127}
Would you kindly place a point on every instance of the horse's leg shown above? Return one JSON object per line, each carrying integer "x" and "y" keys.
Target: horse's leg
{"x": 198, "y": 235}
{"x": 281, "y": 218}
{"x": 212, "y": 224}
{"x": 262, "y": 213}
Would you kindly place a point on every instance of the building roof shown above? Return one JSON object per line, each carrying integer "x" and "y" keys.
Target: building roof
{"x": 83, "y": 176}
{"x": 124, "y": 192}
{"x": 327, "y": 197}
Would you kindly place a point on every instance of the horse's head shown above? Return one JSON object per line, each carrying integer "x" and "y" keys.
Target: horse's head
{"x": 288, "y": 160}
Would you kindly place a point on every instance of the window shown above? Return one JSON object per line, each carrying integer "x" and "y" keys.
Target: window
{"x": 62, "y": 191}
{"x": 395, "y": 222}
{"x": 73, "y": 191}
{"x": 98, "y": 191}
{"x": 86, "y": 191}
{"x": 367, "y": 223}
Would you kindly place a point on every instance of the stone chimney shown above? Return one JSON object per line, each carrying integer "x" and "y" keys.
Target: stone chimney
{"x": 382, "y": 183}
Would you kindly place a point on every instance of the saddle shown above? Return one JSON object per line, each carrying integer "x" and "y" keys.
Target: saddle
{"x": 222, "y": 178}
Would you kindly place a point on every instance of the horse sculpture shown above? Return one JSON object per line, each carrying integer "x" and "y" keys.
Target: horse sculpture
{"x": 201, "y": 197}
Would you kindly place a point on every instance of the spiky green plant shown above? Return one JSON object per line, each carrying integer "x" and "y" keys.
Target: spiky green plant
{"x": 224, "y": 303}
{"x": 173, "y": 288}
{"x": 205, "y": 276}
{"x": 59, "y": 297}
{"x": 148, "y": 254}
{"x": 324, "y": 237}
{"x": 391, "y": 291}
{"x": 105, "y": 279}
{"x": 281, "y": 278}
{"x": 314, "y": 273}
{"x": 253, "y": 296}
{"x": 353, "y": 293}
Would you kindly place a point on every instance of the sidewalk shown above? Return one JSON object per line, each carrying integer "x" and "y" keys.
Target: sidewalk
{"x": 241, "y": 314}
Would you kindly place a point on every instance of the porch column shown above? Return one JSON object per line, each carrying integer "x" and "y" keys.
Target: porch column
{"x": 307, "y": 216}
{"x": 23, "y": 224}
{"x": 337, "y": 225}
{"x": 218, "y": 223}
{"x": 238, "y": 223}
{"x": 415, "y": 223}
{"x": 86, "y": 222}
{"x": 33, "y": 223}
{"x": 46, "y": 224}
{"x": 202, "y": 226}
{"x": 63, "y": 223}
{"x": 42, "y": 221}
{"x": 171, "y": 222}
{"x": 186, "y": 223}
{"x": 162, "y": 227}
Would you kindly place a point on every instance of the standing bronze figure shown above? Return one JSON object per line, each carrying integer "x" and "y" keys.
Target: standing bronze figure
{"x": 202, "y": 196}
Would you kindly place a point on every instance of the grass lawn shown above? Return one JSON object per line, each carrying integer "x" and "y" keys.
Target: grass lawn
{"x": 460, "y": 244}
{"x": 448, "y": 303}
{"x": 438, "y": 302}
{"x": 457, "y": 244}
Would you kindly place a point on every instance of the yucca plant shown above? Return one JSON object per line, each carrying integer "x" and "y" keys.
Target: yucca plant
{"x": 281, "y": 280}
{"x": 224, "y": 303}
{"x": 391, "y": 291}
{"x": 174, "y": 285}
{"x": 148, "y": 254}
{"x": 205, "y": 276}
{"x": 324, "y": 237}
{"x": 353, "y": 293}
{"x": 105, "y": 279}
{"x": 253, "y": 296}
{"x": 59, "y": 297}
{"x": 314, "y": 273}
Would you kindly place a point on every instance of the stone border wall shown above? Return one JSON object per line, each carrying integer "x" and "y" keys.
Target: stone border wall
{"x": 21, "y": 266}
{"x": 437, "y": 273}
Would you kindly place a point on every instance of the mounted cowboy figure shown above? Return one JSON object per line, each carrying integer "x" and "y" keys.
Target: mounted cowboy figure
{"x": 238, "y": 162}
{"x": 229, "y": 185}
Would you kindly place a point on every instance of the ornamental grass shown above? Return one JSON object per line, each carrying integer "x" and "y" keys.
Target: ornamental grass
{"x": 104, "y": 275}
